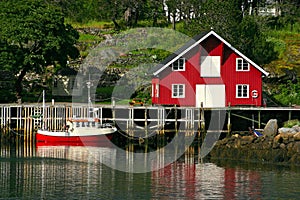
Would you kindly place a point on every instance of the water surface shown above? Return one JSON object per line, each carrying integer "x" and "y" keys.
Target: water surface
{"x": 64, "y": 172}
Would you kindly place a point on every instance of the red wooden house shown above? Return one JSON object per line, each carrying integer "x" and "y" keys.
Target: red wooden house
{"x": 209, "y": 71}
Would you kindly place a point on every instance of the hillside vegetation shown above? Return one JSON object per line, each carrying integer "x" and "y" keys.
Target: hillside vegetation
{"x": 41, "y": 38}
{"x": 282, "y": 86}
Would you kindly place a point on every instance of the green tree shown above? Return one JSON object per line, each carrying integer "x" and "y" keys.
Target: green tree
{"x": 226, "y": 18}
{"x": 252, "y": 42}
{"x": 33, "y": 36}
{"x": 288, "y": 93}
{"x": 221, "y": 16}
{"x": 290, "y": 12}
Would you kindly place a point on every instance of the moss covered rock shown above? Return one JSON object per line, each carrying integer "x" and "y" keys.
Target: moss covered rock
{"x": 264, "y": 149}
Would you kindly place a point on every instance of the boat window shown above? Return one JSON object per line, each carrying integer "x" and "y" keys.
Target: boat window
{"x": 82, "y": 124}
{"x": 93, "y": 124}
{"x": 77, "y": 124}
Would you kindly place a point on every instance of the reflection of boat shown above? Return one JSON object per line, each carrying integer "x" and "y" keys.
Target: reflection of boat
{"x": 104, "y": 153}
{"x": 85, "y": 130}
{"x": 81, "y": 142}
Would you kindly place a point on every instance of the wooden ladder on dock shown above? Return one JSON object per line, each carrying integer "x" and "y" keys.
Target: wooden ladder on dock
{"x": 37, "y": 117}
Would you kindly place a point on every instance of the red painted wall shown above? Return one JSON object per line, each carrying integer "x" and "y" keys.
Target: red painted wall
{"x": 191, "y": 77}
{"x": 232, "y": 77}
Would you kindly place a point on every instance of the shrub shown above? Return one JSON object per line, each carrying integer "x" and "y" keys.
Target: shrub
{"x": 291, "y": 123}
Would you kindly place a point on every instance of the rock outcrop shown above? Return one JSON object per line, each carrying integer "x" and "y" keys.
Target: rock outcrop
{"x": 283, "y": 148}
{"x": 271, "y": 128}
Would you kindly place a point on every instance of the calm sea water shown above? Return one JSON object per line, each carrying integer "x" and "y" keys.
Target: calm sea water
{"x": 72, "y": 172}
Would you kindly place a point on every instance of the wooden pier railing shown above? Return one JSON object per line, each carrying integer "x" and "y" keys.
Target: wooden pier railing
{"x": 24, "y": 120}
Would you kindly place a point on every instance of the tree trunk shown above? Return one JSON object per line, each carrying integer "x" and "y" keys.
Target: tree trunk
{"x": 174, "y": 21}
{"x": 154, "y": 17}
{"x": 117, "y": 26}
{"x": 18, "y": 86}
{"x": 136, "y": 16}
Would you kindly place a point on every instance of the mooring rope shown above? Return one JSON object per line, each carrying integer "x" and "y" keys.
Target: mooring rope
{"x": 134, "y": 137}
{"x": 14, "y": 132}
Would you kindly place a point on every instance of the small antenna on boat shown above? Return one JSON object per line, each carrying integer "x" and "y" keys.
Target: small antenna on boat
{"x": 89, "y": 84}
{"x": 44, "y": 110}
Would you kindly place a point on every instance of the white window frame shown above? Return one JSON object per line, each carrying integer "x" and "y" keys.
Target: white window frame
{"x": 242, "y": 65}
{"x": 176, "y": 90}
{"x": 178, "y": 67}
{"x": 240, "y": 91}
{"x": 210, "y": 66}
{"x": 155, "y": 90}
{"x": 152, "y": 88}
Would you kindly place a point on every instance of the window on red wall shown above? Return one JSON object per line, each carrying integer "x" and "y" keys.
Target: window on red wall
{"x": 242, "y": 91}
{"x": 210, "y": 66}
{"x": 155, "y": 90}
{"x": 242, "y": 65}
{"x": 179, "y": 65}
{"x": 178, "y": 90}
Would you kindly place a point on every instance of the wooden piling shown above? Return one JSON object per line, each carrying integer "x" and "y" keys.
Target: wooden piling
{"x": 228, "y": 121}
{"x": 176, "y": 119}
{"x": 259, "y": 121}
{"x": 146, "y": 124}
{"x": 202, "y": 119}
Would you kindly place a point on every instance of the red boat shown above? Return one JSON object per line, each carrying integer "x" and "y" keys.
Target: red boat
{"x": 79, "y": 130}
{"x": 82, "y": 131}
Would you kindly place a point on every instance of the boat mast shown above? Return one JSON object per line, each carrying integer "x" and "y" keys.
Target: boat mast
{"x": 44, "y": 111}
{"x": 88, "y": 83}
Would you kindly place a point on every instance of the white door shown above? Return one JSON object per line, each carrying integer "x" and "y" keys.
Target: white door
{"x": 212, "y": 96}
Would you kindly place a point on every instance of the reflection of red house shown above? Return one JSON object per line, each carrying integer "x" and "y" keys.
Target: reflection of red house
{"x": 209, "y": 71}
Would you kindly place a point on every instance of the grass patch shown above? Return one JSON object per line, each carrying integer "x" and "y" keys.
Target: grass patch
{"x": 89, "y": 38}
{"x": 92, "y": 24}
{"x": 291, "y": 123}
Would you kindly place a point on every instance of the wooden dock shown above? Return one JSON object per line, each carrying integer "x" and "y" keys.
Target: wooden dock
{"x": 24, "y": 120}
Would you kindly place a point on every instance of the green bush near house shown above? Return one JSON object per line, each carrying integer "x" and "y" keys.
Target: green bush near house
{"x": 291, "y": 123}
{"x": 103, "y": 94}
{"x": 288, "y": 93}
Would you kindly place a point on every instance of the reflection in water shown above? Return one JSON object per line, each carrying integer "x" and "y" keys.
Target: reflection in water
{"x": 72, "y": 172}
{"x": 203, "y": 181}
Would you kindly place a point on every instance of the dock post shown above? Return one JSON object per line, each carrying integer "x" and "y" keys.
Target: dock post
{"x": 163, "y": 121}
{"x": 176, "y": 122}
{"x": 160, "y": 120}
{"x": 130, "y": 121}
{"x": 27, "y": 116}
{"x": 146, "y": 125}
{"x": 199, "y": 121}
{"x": 25, "y": 120}
{"x": 127, "y": 126}
{"x": 113, "y": 110}
{"x": 30, "y": 128}
{"x": 290, "y": 115}
{"x": 229, "y": 121}
{"x": 259, "y": 119}
{"x": 202, "y": 126}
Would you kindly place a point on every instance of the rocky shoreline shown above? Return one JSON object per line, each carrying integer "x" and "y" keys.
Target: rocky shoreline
{"x": 280, "y": 146}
